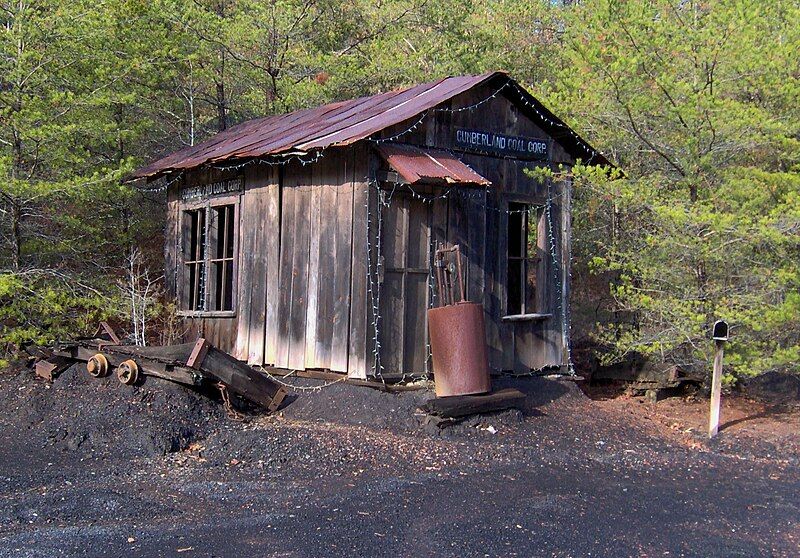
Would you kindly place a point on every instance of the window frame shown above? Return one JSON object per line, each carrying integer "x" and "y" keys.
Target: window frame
{"x": 526, "y": 313}
{"x": 208, "y": 205}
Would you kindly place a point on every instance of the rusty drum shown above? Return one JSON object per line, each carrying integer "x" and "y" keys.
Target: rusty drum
{"x": 458, "y": 347}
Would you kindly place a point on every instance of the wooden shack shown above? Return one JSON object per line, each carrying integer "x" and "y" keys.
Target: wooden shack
{"x": 305, "y": 240}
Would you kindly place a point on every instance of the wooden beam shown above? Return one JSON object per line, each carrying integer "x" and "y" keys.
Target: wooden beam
{"x": 147, "y": 365}
{"x": 243, "y": 379}
{"x": 716, "y": 389}
{"x": 465, "y": 405}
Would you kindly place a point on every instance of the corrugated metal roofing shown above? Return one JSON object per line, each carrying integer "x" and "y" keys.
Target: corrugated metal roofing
{"x": 417, "y": 164}
{"x": 340, "y": 123}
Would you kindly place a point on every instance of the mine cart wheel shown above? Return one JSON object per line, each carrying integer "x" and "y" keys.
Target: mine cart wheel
{"x": 97, "y": 366}
{"x": 128, "y": 372}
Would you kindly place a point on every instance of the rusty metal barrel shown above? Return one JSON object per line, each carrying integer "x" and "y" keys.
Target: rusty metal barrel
{"x": 458, "y": 347}
{"x": 458, "y": 335}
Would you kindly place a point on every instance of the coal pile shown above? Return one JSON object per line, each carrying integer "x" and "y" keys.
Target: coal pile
{"x": 78, "y": 415}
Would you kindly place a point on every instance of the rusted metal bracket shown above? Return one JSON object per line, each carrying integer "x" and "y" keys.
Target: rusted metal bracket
{"x": 50, "y": 368}
{"x": 444, "y": 272}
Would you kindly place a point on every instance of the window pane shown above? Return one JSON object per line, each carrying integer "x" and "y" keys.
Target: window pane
{"x": 194, "y": 231}
{"x": 200, "y": 300}
{"x": 516, "y": 222}
{"x": 199, "y": 245}
{"x": 533, "y": 234}
{"x": 229, "y": 235}
{"x": 514, "y": 300}
{"x": 218, "y": 271}
{"x": 227, "y": 302}
{"x": 217, "y": 233}
{"x": 530, "y": 288}
{"x": 190, "y": 241}
{"x": 222, "y": 237}
{"x": 190, "y": 293}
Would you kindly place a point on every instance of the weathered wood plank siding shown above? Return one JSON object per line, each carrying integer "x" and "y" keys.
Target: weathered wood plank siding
{"x": 359, "y": 330}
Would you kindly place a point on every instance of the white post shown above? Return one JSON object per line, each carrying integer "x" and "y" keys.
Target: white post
{"x": 716, "y": 389}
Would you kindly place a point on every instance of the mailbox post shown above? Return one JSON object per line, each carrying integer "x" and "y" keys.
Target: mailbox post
{"x": 720, "y": 336}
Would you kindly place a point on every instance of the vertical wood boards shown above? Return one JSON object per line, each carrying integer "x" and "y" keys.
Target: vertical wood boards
{"x": 271, "y": 248}
{"x": 329, "y": 264}
{"x": 323, "y": 268}
{"x": 260, "y": 198}
{"x": 394, "y": 248}
{"x": 506, "y": 330}
{"x": 342, "y": 253}
{"x": 357, "y": 354}
{"x": 287, "y": 246}
{"x": 371, "y": 285}
{"x": 416, "y": 288}
{"x": 318, "y": 178}
{"x": 248, "y": 236}
{"x": 406, "y": 241}
{"x": 553, "y": 331}
{"x": 301, "y": 236}
{"x": 314, "y": 285}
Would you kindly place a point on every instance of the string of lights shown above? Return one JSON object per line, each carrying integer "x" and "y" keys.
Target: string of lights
{"x": 522, "y": 97}
{"x": 373, "y": 281}
{"x": 157, "y": 186}
{"x": 557, "y": 275}
{"x": 474, "y": 105}
{"x": 300, "y": 389}
{"x": 272, "y": 162}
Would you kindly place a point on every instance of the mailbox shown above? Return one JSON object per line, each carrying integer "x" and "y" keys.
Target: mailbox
{"x": 720, "y": 332}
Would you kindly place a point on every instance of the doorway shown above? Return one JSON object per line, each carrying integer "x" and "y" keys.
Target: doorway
{"x": 405, "y": 288}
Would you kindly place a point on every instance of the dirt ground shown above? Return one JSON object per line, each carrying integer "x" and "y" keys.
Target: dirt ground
{"x": 93, "y": 468}
{"x": 748, "y": 426}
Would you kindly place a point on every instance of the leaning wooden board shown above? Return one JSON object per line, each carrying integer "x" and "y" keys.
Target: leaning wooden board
{"x": 188, "y": 363}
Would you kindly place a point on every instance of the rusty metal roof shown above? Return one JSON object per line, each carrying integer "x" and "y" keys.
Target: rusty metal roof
{"x": 343, "y": 123}
{"x": 416, "y": 164}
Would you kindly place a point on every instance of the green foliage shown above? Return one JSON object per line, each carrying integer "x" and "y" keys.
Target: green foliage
{"x": 35, "y": 310}
{"x": 698, "y": 104}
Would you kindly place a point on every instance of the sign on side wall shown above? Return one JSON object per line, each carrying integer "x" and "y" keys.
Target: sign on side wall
{"x": 230, "y": 186}
{"x": 519, "y": 147}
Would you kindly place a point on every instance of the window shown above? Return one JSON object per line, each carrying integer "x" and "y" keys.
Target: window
{"x": 194, "y": 247}
{"x": 523, "y": 258}
{"x": 209, "y": 244}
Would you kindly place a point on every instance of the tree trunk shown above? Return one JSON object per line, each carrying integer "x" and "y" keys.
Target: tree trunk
{"x": 16, "y": 234}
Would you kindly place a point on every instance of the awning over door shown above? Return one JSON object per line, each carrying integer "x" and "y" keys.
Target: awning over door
{"x": 417, "y": 165}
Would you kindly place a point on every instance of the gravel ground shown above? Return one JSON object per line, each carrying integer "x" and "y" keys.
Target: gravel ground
{"x": 93, "y": 468}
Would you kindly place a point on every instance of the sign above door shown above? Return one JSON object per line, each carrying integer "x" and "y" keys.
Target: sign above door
{"x": 519, "y": 147}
